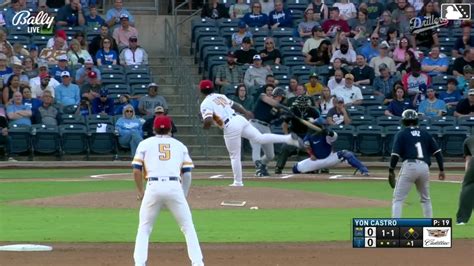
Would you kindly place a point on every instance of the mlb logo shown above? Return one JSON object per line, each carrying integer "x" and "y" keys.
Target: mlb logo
{"x": 456, "y": 11}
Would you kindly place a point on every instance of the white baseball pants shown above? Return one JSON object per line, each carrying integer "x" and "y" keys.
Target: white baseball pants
{"x": 309, "y": 165}
{"x": 169, "y": 194}
{"x": 238, "y": 127}
{"x": 268, "y": 149}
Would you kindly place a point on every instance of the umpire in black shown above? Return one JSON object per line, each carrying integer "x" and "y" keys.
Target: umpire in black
{"x": 466, "y": 197}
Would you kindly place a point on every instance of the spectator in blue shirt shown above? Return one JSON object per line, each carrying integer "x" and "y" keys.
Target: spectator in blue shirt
{"x": 17, "y": 112}
{"x": 399, "y": 104}
{"x": 370, "y": 49}
{"x": 431, "y": 106}
{"x": 256, "y": 18}
{"x": 93, "y": 20}
{"x": 33, "y": 103}
{"x": 112, "y": 17}
{"x": 63, "y": 65}
{"x": 103, "y": 105}
{"x": 105, "y": 55}
{"x": 67, "y": 93}
{"x": 451, "y": 96}
{"x": 129, "y": 128}
{"x": 279, "y": 17}
{"x": 71, "y": 15}
{"x": 434, "y": 64}
{"x": 11, "y": 12}
{"x": 4, "y": 69}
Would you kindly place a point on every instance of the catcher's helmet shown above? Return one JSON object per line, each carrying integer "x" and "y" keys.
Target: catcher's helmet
{"x": 410, "y": 117}
{"x": 302, "y": 101}
{"x": 278, "y": 91}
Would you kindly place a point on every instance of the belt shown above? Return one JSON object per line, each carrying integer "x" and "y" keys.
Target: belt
{"x": 228, "y": 119}
{"x": 413, "y": 161}
{"x": 164, "y": 178}
{"x": 260, "y": 122}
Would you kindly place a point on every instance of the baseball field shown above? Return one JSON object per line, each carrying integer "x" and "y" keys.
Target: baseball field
{"x": 90, "y": 216}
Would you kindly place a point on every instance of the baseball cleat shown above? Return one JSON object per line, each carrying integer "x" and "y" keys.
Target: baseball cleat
{"x": 236, "y": 184}
{"x": 296, "y": 141}
{"x": 460, "y": 223}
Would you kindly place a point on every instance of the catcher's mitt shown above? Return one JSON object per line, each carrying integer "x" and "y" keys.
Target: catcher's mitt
{"x": 391, "y": 178}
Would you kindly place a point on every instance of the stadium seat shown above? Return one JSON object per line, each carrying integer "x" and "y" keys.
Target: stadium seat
{"x": 20, "y": 139}
{"x": 139, "y": 89}
{"x": 424, "y": 121}
{"x": 210, "y": 41}
{"x": 296, "y": 4}
{"x": 112, "y": 78}
{"x": 45, "y": 139}
{"x": 22, "y": 39}
{"x": 118, "y": 88}
{"x": 356, "y": 110}
{"x": 390, "y": 132}
{"x": 137, "y": 69}
{"x": 40, "y": 40}
{"x": 322, "y": 70}
{"x": 293, "y": 60}
{"x": 443, "y": 121}
{"x": 466, "y": 121}
{"x": 362, "y": 120}
{"x": 453, "y": 138}
{"x": 203, "y": 27}
{"x": 211, "y": 64}
{"x": 280, "y": 70}
{"x": 370, "y": 139}
{"x": 388, "y": 121}
{"x": 436, "y": 132}
{"x": 102, "y": 139}
{"x": 227, "y": 32}
{"x": 72, "y": 119}
{"x": 301, "y": 70}
{"x": 99, "y": 119}
{"x": 133, "y": 78}
{"x": 371, "y": 100}
{"x": 212, "y": 50}
{"x": 367, "y": 90}
{"x": 345, "y": 139}
{"x": 111, "y": 69}
{"x": 290, "y": 51}
{"x": 290, "y": 41}
{"x": 227, "y": 22}
{"x": 376, "y": 110}
{"x": 260, "y": 32}
{"x": 282, "y": 32}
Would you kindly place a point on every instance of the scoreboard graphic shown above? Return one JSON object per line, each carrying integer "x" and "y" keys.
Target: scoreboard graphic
{"x": 401, "y": 233}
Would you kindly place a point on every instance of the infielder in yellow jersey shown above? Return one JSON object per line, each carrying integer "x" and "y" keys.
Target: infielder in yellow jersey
{"x": 162, "y": 159}
{"x": 217, "y": 108}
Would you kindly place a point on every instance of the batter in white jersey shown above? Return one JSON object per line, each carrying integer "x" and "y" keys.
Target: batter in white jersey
{"x": 218, "y": 109}
{"x": 162, "y": 159}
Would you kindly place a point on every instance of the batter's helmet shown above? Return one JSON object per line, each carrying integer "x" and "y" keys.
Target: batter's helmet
{"x": 409, "y": 117}
{"x": 279, "y": 92}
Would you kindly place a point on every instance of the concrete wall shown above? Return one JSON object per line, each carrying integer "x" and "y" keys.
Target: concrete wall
{"x": 151, "y": 29}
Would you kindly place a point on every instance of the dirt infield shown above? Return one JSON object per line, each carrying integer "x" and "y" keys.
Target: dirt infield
{"x": 330, "y": 253}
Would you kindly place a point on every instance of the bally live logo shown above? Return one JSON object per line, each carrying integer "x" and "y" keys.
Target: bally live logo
{"x": 34, "y": 23}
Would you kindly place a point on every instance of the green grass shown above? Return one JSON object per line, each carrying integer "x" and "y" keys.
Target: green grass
{"x": 53, "y": 224}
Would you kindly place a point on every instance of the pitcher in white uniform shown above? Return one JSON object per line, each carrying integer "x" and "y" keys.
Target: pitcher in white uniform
{"x": 163, "y": 158}
{"x": 218, "y": 109}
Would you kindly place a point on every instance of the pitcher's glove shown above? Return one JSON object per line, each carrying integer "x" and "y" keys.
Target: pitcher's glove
{"x": 391, "y": 178}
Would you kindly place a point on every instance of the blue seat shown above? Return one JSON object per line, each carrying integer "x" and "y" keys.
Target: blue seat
{"x": 291, "y": 51}
{"x": 133, "y": 78}
{"x": 362, "y": 120}
{"x": 99, "y": 119}
{"x": 45, "y": 139}
{"x": 466, "y": 121}
{"x": 293, "y": 60}
{"x": 443, "y": 121}
{"x": 301, "y": 70}
{"x": 355, "y": 110}
{"x": 139, "y": 89}
{"x": 212, "y": 50}
{"x": 102, "y": 139}
{"x": 72, "y": 119}
{"x": 371, "y": 100}
{"x": 210, "y": 41}
{"x": 118, "y": 88}
{"x": 202, "y": 26}
{"x": 227, "y": 22}
{"x": 290, "y": 41}
{"x": 370, "y": 139}
{"x": 436, "y": 132}
{"x": 453, "y": 139}
{"x": 212, "y": 63}
{"x": 280, "y": 70}
{"x": 111, "y": 69}
{"x": 74, "y": 139}
{"x": 22, "y": 39}
{"x": 20, "y": 139}
{"x": 282, "y": 32}
{"x": 137, "y": 69}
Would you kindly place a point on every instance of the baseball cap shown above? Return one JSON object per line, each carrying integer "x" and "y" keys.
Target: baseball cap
{"x": 124, "y": 16}
{"x": 3, "y": 56}
{"x": 62, "y": 57}
{"x": 65, "y": 74}
{"x": 257, "y": 57}
{"x": 349, "y": 76}
{"x": 162, "y": 122}
{"x": 133, "y": 38}
{"x": 92, "y": 75}
{"x": 16, "y": 62}
{"x": 246, "y": 40}
{"x": 44, "y": 75}
{"x": 104, "y": 92}
{"x": 452, "y": 80}
{"x": 242, "y": 24}
{"x": 316, "y": 28}
{"x": 153, "y": 84}
{"x": 313, "y": 75}
{"x": 45, "y": 65}
{"x": 89, "y": 61}
{"x": 383, "y": 66}
{"x": 230, "y": 54}
{"x": 33, "y": 47}
{"x": 471, "y": 92}
{"x": 62, "y": 34}
{"x": 206, "y": 84}
{"x": 340, "y": 100}
{"x": 159, "y": 109}
{"x": 383, "y": 45}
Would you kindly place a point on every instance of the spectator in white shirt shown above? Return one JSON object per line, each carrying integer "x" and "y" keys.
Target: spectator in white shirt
{"x": 133, "y": 54}
{"x": 336, "y": 81}
{"x": 383, "y": 58}
{"x": 347, "y": 55}
{"x": 350, "y": 93}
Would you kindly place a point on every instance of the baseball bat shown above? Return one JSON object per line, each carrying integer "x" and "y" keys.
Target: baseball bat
{"x": 309, "y": 124}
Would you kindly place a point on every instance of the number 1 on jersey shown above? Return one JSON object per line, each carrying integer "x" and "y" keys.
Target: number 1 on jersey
{"x": 419, "y": 150}
{"x": 165, "y": 152}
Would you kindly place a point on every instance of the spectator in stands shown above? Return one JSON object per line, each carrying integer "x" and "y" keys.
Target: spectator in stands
{"x": 148, "y": 103}
{"x": 28, "y": 100}
{"x": 404, "y": 25}
{"x": 114, "y": 15}
{"x": 5, "y": 46}
{"x": 34, "y": 54}
{"x": 370, "y": 49}
{"x": 84, "y": 109}
{"x": 383, "y": 58}
{"x": 242, "y": 97}
{"x": 71, "y": 15}
{"x": 337, "y": 65}
{"x": 95, "y": 44}
{"x": 432, "y": 106}
{"x": 291, "y": 92}
{"x": 346, "y": 8}
{"x": 393, "y": 40}
{"x": 384, "y": 83}
{"x": 47, "y": 114}
{"x": 9, "y": 14}
{"x": 214, "y": 10}
{"x": 77, "y": 55}
{"x": 81, "y": 38}
{"x": 384, "y": 25}
{"x": 464, "y": 41}
{"x": 319, "y": 56}
{"x": 50, "y": 54}
{"x": 228, "y": 75}
{"x": 338, "y": 114}
{"x": 246, "y": 53}
{"x": 256, "y": 18}
{"x": 318, "y": 36}
{"x": 280, "y": 17}
{"x": 256, "y": 74}
{"x": 29, "y": 68}
{"x": 426, "y": 39}
{"x": 93, "y": 20}
{"x": 17, "y": 112}
{"x": 34, "y": 82}
{"x": 410, "y": 60}
{"x": 124, "y": 33}
{"x": 360, "y": 26}
{"x": 345, "y": 53}
{"x": 413, "y": 80}
{"x": 270, "y": 55}
{"x": 82, "y": 74}
{"x": 238, "y": 36}
{"x": 465, "y": 106}
{"x": 399, "y": 104}
{"x": 334, "y": 24}
{"x": 129, "y": 129}
{"x": 300, "y": 90}
{"x": 314, "y": 86}
{"x": 12, "y": 86}
{"x": 123, "y": 101}
{"x": 19, "y": 52}
{"x": 336, "y": 81}
{"x": 148, "y": 125}
{"x": 239, "y": 9}
{"x": 63, "y": 65}
{"x": 451, "y": 96}
{"x": 320, "y": 10}
{"x": 305, "y": 27}
{"x": 37, "y": 90}
{"x": 58, "y": 33}
{"x": 4, "y": 68}
{"x": 325, "y": 103}
{"x": 134, "y": 54}
{"x": 464, "y": 81}
{"x": 67, "y": 93}
{"x": 399, "y": 53}
{"x": 363, "y": 74}
{"x": 92, "y": 88}
{"x": 17, "y": 68}
{"x": 390, "y": 97}
{"x": 374, "y": 9}
{"x": 106, "y": 55}
{"x": 398, "y": 14}
{"x": 103, "y": 105}
{"x": 435, "y": 64}
{"x": 350, "y": 93}
{"x": 461, "y": 62}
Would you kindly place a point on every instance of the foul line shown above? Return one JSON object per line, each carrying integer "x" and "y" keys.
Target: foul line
{"x": 102, "y": 176}
{"x": 343, "y": 177}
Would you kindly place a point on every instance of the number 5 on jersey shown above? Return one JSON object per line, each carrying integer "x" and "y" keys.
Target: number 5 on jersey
{"x": 164, "y": 152}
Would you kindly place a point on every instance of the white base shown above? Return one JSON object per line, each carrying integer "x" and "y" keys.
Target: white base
{"x": 25, "y": 247}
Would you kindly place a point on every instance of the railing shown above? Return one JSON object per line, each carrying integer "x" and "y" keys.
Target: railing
{"x": 135, "y": 6}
